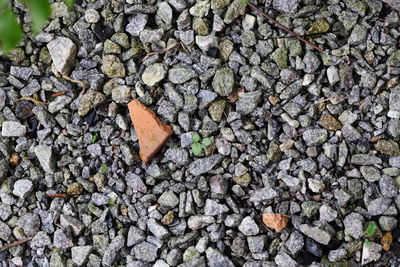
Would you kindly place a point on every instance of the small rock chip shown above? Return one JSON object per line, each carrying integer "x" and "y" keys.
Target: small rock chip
{"x": 62, "y": 51}
{"x": 13, "y": 129}
{"x": 275, "y": 220}
{"x": 22, "y": 188}
{"x": 316, "y": 233}
{"x": 154, "y": 73}
{"x": 113, "y": 67}
{"x": 44, "y": 154}
{"x": 75, "y": 189}
{"x": 330, "y": 123}
{"x": 319, "y": 26}
{"x": 80, "y": 254}
{"x": 371, "y": 252}
{"x": 223, "y": 81}
{"x": 388, "y": 147}
{"x": 90, "y": 100}
{"x": 151, "y": 131}
{"x": 387, "y": 240}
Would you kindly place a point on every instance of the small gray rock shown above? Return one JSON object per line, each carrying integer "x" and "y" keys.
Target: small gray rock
{"x": 145, "y": 252}
{"x": 13, "y": 129}
{"x": 204, "y": 165}
{"x": 249, "y": 227}
{"x": 316, "y": 234}
{"x": 80, "y": 254}
{"x": 44, "y": 153}
{"x": 181, "y": 75}
{"x": 315, "y": 137}
{"x": 223, "y": 81}
{"x": 62, "y": 51}
{"x": 22, "y": 188}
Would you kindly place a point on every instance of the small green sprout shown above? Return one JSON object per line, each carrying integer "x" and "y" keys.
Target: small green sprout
{"x": 371, "y": 228}
{"x": 95, "y": 137}
{"x": 104, "y": 168}
{"x": 199, "y": 144}
{"x": 112, "y": 203}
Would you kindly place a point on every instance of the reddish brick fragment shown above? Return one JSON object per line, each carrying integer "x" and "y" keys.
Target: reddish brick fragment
{"x": 152, "y": 133}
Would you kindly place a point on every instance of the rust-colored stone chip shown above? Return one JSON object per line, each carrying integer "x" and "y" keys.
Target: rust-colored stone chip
{"x": 275, "y": 220}
{"x": 152, "y": 133}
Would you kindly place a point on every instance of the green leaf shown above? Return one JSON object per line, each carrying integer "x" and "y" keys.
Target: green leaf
{"x": 206, "y": 142}
{"x": 367, "y": 243}
{"x": 10, "y": 30}
{"x": 370, "y": 229}
{"x": 196, "y": 138}
{"x": 196, "y": 148}
{"x": 41, "y": 12}
{"x": 3, "y": 2}
{"x": 104, "y": 168}
{"x": 94, "y": 137}
{"x": 69, "y": 3}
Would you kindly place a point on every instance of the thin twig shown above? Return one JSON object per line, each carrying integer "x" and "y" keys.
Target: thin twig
{"x": 279, "y": 25}
{"x": 28, "y": 98}
{"x": 54, "y": 195}
{"x": 16, "y": 243}
{"x": 305, "y": 35}
{"x": 78, "y": 82}
{"x": 162, "y": 51}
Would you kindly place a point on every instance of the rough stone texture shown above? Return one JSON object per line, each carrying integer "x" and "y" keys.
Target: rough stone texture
{"x": 63, "y": 52}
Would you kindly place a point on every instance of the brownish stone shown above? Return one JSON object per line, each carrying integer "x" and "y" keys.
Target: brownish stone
{"x": 330, "y": 123}
{"x": 152, "y": 133}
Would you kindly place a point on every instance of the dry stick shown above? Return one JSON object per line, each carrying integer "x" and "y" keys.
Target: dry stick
{"x": 78, "y": 82}
{"x": 284, "y": 27}
{"x": 162, "y": 51}
{"x": 62, "y": 195}
{"x": 16, "y": 243}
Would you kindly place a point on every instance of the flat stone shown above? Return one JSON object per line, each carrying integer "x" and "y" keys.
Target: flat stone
{"x": 365, "y": 159}
{"x": 315, "y": 137}
{"x": 44, "y": 153}
{"x": 330, "y": 123}
{"x": 316, "y": 234}
{"x": 152, "y": 133}
{"x": 199, "y": 221}
{"x": 22, "y": 188}
{"x": 181, "y": 75}
{"x": 249, "y": 227}
{"x": 216, "y": 259}
{"x": 113, "y": 67}
{"x": 80, "y": 254}
{"x": 223, "y": 81}
{"x": 90, "y": 100}
{"x": 154, "y": 73}
{"x": 13, "y": 129}
{"x": 204, "y": 165}
{"x": 62, "y": 51}
{"x": 145, "y": 252}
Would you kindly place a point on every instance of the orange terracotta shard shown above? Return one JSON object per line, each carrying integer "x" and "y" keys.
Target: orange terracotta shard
{"x": 275, "y": 221}
{"x": 151, "y": 131}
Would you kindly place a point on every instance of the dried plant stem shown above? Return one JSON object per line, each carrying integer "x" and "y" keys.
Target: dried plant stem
{"x": 279, "y": 25}
{"x": 16, "y": 243}
{"x": 54, "y": 195}
{"x": 162, "y": 51}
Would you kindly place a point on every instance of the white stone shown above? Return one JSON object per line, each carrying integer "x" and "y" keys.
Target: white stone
{"x": 92, "y": 16}
{"x": 22, "y": 188}
{"x": 62, "y": 51}
{"x": 13, "y": 129}
{"x": 44, "y": 154}
{"x": 333, "y": 75}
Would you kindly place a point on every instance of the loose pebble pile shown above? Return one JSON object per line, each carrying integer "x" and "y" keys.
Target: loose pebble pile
{"x": 304, "y": 162}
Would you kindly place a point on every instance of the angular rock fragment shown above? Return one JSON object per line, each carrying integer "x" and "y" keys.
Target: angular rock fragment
{"x": 62, "y": 51}
{"x": 151, "y": 131}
